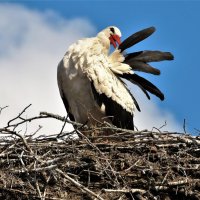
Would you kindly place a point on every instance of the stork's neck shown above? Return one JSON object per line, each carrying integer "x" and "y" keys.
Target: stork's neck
{"x": 104, "y": 41}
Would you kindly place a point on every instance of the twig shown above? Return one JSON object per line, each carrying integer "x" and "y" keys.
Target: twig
{"x": 156, "y": 129}
{"x": 184, "y": 126}
{"x": 1, "y": 108}
{"x": 7, "y": 131}
{"x": 27, "y": 120}
{"x": 40, "y": 169}
{"x": 19, "y": 115}
{"x": 45, "y": 188}
{"x": 125, "y": 190}
{"x": 78, "y": 184}
{"x": 22, "y": 162}
{"x": 165, "y": 124}
{"x": 179, "y": 182}
{"x": 163, "y": 181}
{"x": 58, "y": 117}
{"x": 37, "y": 130}
{"x": 62, "y": 127}
{"x": 135, "y": 164}
{"x": 38, "y": 190}
{"x": 43, "y": 115}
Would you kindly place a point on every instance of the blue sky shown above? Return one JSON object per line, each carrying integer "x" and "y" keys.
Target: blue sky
{"x": 178, "y": 31}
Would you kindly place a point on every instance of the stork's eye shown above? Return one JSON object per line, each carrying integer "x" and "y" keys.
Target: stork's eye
{"x": 112, "y": 30}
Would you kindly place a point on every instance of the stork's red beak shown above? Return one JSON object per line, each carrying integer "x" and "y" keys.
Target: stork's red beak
{"x": 115, "y": 40}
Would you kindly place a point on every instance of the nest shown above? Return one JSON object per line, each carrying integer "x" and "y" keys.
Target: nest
{"x": 122, "y": 165}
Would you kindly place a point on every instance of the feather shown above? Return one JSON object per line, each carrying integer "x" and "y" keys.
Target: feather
{"x": 140, "y": 86}
{"x": 112, "y": 110}
{"x": 65, "y": 102}
{"x": 112, "y": 86}
{"x": 121, "y": 68}
{"x": 133, "y": 98}
{"x": 136, "y": 37}
{"x": 149, "y": 56}
{"x": 145, "y": 84}
{"x": 138, "y": 60}
{"x": 143, "y": 67}
{"x": 135, "y": 102}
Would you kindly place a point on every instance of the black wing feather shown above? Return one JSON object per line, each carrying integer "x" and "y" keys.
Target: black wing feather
{"x": 149, "y": 56}
{"x": 145, "y": 84}
{"x": 136, "y": 37}
{"x": 143, "y": 67}
{"x": 116, "y": 113}
{"x": 138, "y": 60}
{"x": 66, "y": 104}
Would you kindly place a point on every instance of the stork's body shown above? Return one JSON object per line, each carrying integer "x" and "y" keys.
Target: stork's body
{"x": 86, "y": 81}
{"x": 90, "y": 83}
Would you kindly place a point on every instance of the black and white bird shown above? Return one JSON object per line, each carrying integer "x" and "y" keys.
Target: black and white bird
{"x": 90, "y": 78}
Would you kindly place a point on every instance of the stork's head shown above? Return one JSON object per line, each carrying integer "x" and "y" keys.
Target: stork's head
{"x": 115, "y": 36}
{"x": 111, "y": 34}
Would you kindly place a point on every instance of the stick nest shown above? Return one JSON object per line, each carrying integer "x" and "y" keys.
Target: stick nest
{"x": 108, "y": 163}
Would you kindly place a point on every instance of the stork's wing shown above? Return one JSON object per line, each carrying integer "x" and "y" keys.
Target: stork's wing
{"x": 64, "y": 99}
{"x": 117, "y": 115}
{"x": 107, "y": 83}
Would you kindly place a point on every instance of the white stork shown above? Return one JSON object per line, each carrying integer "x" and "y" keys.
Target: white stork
{"x": 89, "y": 77}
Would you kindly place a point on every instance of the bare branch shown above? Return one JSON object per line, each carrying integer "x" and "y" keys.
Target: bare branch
{"x": 19, "y": 115}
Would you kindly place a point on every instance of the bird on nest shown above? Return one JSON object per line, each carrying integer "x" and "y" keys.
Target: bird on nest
{"x": 90, "y": 78}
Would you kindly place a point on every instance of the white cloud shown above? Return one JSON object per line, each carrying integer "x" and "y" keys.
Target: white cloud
{"x": 32, "y": 44}
{"x": 152, "y": 116}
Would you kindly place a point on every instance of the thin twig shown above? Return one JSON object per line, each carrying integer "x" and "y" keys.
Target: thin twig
{"x": 184, "y": 126}
{"x": 7, "y": 131}
{"x": 77, "y": 184}
{"x": 18, "y": 116}
{"x": 1, "y": 108}
{"x": 38, "y": 190}
{"x": 125, "y": 190}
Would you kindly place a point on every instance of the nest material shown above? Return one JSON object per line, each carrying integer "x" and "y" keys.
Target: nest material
{"x": 139, "y": 165}
{"x": 123, "y": 165}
